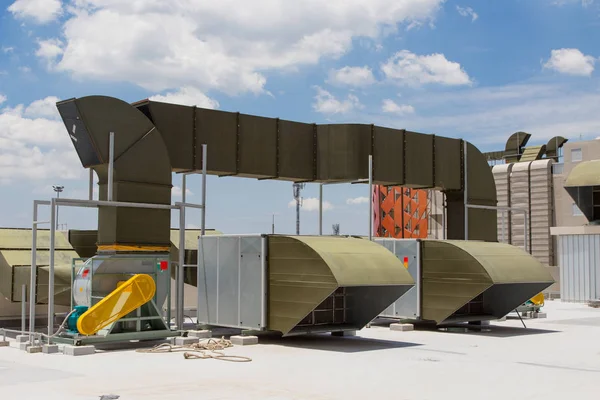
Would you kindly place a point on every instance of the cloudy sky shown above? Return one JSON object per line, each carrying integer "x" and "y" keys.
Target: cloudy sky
{"x": 469, "y": 68}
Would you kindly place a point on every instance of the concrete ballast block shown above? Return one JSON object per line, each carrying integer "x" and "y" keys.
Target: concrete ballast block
{"x": 243, "y": 340}
{"x": 185, "y": 341}
{"x": 23, "y": 345}
{"x": 203, "y": 334}
{"x": 70, "y": 350}
{"x": 540, "y": 315}
{"x": 50, "y": 348}
{"x": 4, "y": 343}
{"x": 402, "y": 327}
{"x": 22, "y": 338}
{"x": 34, "y": 349}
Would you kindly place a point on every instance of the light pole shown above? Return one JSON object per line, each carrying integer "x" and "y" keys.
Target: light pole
{"x": 58, "y": 189}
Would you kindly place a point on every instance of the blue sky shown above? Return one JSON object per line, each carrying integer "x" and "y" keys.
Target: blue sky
{"x": 474, "y": 69}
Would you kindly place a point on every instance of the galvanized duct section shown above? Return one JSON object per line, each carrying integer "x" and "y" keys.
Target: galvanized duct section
{"x": 469, "y": 280}
{"x": 142, "y": 169}
{"x": 301, "y": 152}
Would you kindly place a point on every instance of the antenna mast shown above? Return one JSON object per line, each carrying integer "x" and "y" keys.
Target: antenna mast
{"x": 297, "y": 189}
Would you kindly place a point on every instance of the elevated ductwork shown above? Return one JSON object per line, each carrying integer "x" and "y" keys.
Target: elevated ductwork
{"x": 152, "y": 139}
{"x": 142, "y": 170}
{"x": 301, "y": 152}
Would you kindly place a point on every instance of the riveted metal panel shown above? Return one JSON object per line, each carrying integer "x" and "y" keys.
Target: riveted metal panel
{"x": 343, "y": 152}
{"x": 447, "y": 163}
{"x": 296, "y": 151}
{"x": 257, "y": 147}
{"x": 178, "y": 121}
{"x": 219, "y": 131}
{"x": 418, "y": 160}
{"x": 388, "y": 159}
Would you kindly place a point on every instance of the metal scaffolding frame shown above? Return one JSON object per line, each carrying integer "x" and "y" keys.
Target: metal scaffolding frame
{"x": 90, "y": 203}
{"x": 509, "y": 209}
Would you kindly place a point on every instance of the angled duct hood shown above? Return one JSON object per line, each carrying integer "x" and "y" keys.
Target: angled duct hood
{"x": 583, "y": 185}
{"x": 466, "y": 280}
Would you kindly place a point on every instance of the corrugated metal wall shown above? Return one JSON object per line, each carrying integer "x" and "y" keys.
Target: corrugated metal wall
{"x": 579, "y": 260}
{"x": 540, "y": 177}
{"x": 502, "y": 179}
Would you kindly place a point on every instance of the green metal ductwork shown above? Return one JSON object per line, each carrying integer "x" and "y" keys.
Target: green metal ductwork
{"x": 142, "y": 169}
{"x": 153, "y": 139}
{"x": 470, "y": 280}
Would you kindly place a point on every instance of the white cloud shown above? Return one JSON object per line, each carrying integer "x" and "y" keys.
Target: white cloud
{"x": 177, "y": 192}
{"x": 49, "y": 50}
{"x": 357, "y": 200}
{"x": 34, "y": 145}
{"x": 2, "y": 98}
{"x": 44, "y": 108}
{"x": 488, "y": 116}
{"x": 311, "y": 204}
{"x": 390, "y": 106}
{"x": 25, "y": 69}
{"x": 571, "y": 62}
{"x": 326, "y": 103}
{"x": 220, "y": 45}
{"x": 408, "y": 68}
{"x": 351, "y": 76}
{"x": 584, "y": 3}
{"x": 7, "y": 49}
{"x": 40, "y": 11}
{"x": 467, "y": 12}
{"x": 187, "y": 96}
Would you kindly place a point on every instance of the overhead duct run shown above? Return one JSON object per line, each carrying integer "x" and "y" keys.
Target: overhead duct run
{"x": 270, "y": 148}
{"x": 295, "y": 284}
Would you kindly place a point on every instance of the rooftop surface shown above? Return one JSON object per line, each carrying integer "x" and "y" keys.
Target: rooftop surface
{"x": 554, "y": 358}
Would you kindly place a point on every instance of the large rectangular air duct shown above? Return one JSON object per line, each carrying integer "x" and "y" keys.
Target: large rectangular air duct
{"x": 295, "y": 284}
{"x": 459, "y": 281}
{"x": 152, "y": 139}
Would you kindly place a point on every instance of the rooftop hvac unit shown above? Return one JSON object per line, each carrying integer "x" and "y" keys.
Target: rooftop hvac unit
{"x": 295, "y": 284}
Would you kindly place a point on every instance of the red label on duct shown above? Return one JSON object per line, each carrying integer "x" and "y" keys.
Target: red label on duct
{"x": 164, "y": 265}
{"x": 405, "y": 260}
{"x": 85, "y": 273}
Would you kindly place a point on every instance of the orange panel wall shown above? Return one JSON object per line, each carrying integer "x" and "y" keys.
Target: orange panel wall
{"x": 400, "y": 212}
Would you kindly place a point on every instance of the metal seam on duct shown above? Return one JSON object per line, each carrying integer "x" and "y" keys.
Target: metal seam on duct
{"x": 277, "y": 155}
{"x": 117, "y": 157}
{"x": 403, "y": 133}
{"x": 194, "y": 136}
{"x": 237, "y": 144}
{"x": 433, "y": 161}
{"x": 315, "y": 155}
